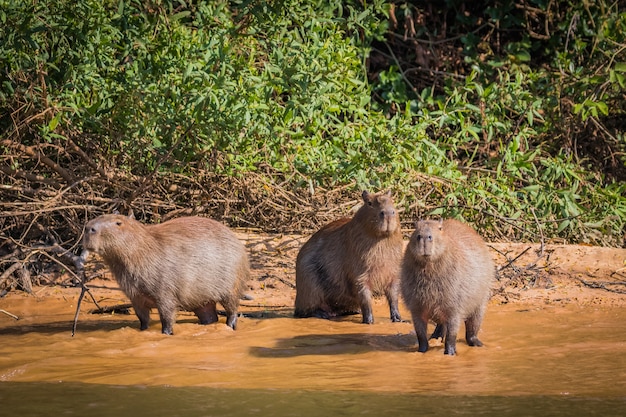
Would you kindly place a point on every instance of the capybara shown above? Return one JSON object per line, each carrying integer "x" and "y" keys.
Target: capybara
{"x": 187, "y": 263}
{"x": 446, "y": 276}
{"x": 348, "y": 261}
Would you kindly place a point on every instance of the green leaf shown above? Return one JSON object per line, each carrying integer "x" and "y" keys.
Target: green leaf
{"x": 54, "y": 122}
{"x": 620, "y": 67}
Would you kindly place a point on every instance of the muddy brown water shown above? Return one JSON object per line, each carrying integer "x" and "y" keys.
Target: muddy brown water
{"x": 537, "y": 360}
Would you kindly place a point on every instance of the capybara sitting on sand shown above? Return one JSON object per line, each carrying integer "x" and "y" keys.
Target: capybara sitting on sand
{"x": 348, "y": 261}
{"x": 446, "y": 276}
{"x": 188, "y": 263}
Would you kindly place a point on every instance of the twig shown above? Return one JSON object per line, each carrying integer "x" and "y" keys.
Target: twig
{"x": 83, "y": 289}
{"x": 111, "y": 309}
{"x": 603, "y": 285}
{"x": 9, "y": 314}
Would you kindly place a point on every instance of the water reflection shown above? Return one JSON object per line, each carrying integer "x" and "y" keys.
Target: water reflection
{"x": 72, "y": 399}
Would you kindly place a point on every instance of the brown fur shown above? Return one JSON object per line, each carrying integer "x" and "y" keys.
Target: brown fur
{"x": 446, "y": 276}
{"x": 348, "y": 261}
{"x": 187, "y": 263}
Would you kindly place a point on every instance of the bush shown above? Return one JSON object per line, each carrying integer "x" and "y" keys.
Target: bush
{"x": 112, "y": 100}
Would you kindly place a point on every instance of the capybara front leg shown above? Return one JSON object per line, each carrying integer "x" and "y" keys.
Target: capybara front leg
{"x": 207, "y": 314}
{"x": 452, "y": 329}
{"x": 231, "y": 305}
{"x": 471, "y": 332}
{"x": 420, "y": 325}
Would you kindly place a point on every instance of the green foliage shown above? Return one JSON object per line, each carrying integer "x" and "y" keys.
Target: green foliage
{"x": 281, "y": 87}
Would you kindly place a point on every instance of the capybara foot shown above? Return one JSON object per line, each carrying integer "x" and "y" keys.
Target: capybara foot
{"x": 167, "y": 331}
{"x": 473, "y": 341}
{"x": 450, "y": 350}
{"x": 423, "y": 348}
{"x": 231, "y": 321}
{"x": 438, "y": 332}
{"x": 395, "y": 317}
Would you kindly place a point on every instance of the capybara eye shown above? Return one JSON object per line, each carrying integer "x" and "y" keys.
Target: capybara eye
{"x": 430, "y": 237}
{"x": 119, "y": 223}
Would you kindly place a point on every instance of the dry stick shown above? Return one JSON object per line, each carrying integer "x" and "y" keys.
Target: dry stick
{"x": 512, "y": 260}
{"x": 111, "y": 309}
{"x": 603, "y": 285}
{"x": 9, "y": 314}
{"x": 83, "y": 289}
{"x": 79, "y": 263}
{"x": 30, "y": 177}
{"x": 7, "y": 273}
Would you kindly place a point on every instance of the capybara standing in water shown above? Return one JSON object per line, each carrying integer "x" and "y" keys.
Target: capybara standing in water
{"x": 348, "y": 261}
{"x": 446, "y": 276}
{"x": 188, "y": 263}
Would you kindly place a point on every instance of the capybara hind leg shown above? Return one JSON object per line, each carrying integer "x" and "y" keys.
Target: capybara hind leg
{"x": 207, "y": 314}
{"x": 439, "y": 332}
{"x": 392, "y": 299}
{"x": 366, "y": 306}
{"x": 168, "y": 317}
{"x": 142, "y": 310}
{"x": 471, "y": 332}
{"x": 309, "y": 300}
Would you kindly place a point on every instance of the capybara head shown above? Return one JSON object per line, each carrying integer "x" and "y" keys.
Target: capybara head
{"x": 107, "y": 232}
{"x": 378, "y": 213}
{"x": 427, "y": 239}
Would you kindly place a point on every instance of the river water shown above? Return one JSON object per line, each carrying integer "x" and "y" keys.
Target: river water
{"x": 548, "y": 360}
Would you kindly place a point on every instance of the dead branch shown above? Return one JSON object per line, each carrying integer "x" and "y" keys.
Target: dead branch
{"x": 117, "y": 309}
{"x": 34, "y": 153}
{"x": 604, "y": 285}
{"x": 30, "y": 177}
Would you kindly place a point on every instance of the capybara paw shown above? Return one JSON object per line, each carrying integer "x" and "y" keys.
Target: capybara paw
{"x": 368, "y": 320}
{"x": 422, "y": 348}
{"x": 395, "y": 318}
{"x": 168, "y": 332}
{"x": 232, "y": 323}
{"x": 473, "y": 341}
{"x": 450, "y": 351}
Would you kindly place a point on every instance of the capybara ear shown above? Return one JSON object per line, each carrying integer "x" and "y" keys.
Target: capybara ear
{"x": 388, "y": 193}
{"x": 131, "y": 214}
{"x": 366, "y": 196}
